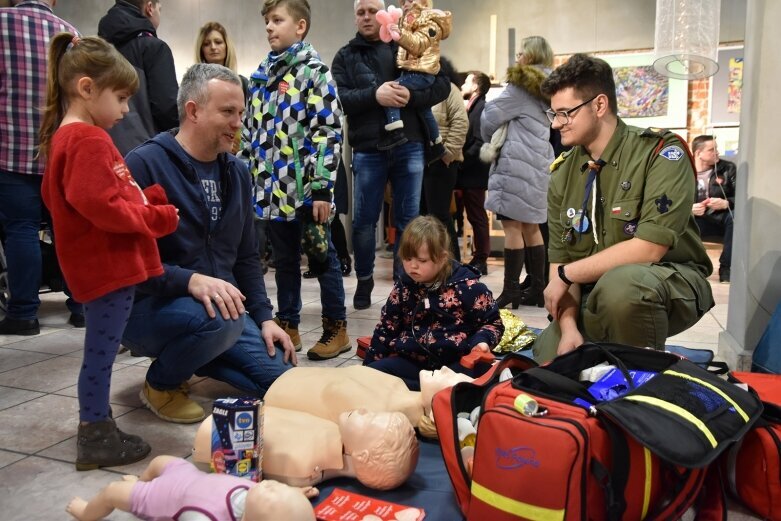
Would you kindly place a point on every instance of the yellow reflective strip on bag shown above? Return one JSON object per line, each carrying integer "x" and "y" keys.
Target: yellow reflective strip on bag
{"x": 679, "y": 411}
{"x": 648, "y": 481}
{"x": 514, "y": 507}
{"x": 712, "y": 388}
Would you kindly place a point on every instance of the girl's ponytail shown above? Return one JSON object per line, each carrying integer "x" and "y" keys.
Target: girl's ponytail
{"x": 54, "y": 110}
{"x": 71, "y": 57}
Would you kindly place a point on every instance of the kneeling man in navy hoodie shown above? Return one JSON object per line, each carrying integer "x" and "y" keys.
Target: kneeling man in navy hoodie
{"x": 208, "y": 314}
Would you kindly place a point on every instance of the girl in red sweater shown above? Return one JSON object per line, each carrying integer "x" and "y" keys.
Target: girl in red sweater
{"x": 104, "y": 223}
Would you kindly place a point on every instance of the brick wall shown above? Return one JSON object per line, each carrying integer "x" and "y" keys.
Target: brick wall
{"x": 697, "y": 112}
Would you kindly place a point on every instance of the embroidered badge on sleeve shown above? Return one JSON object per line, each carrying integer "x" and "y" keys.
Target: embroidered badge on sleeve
{"x": 672, "y": 153}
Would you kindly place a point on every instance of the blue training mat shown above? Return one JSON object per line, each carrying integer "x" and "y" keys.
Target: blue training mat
{"x": 428, "y": 488}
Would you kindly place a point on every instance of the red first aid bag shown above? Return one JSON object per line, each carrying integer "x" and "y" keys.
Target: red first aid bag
{"x": 752, "y": 468}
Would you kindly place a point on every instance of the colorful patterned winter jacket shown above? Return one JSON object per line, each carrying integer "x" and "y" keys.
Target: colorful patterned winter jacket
{"x": 437, "y": 327}
{"x": 291, "y": 136}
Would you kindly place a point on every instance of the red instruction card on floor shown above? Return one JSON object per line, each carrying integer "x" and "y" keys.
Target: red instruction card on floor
{"x": 343, "y": 505}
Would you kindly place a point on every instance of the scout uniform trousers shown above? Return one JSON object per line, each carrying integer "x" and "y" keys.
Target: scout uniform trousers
{"x": 635, "y": 304}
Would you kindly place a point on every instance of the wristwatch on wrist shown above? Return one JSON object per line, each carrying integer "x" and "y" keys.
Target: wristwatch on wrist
{"x": 563, "y": 276}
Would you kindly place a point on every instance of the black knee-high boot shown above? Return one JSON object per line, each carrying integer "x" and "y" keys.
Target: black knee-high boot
{"x": 511, "y": 292}
{"x": 535, "y": 266}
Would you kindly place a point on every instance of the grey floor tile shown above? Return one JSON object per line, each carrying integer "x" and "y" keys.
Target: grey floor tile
{"x": 60, "y": 342}
{"x": 48, "y": 375}
{"x": 10, "y": 397}
{"x": 37, "y": 489}
{"x": 11, "y": 359}
{"x": 38, "y": 424}
{"x": 7, "y": 458}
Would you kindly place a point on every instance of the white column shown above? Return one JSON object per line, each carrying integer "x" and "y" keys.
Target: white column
{"x": 756, "y": 258}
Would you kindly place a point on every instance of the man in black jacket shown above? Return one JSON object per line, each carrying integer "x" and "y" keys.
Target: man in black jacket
{"x": 365, "y": 73}
{"x": 131, "y": 26}
{"x": 715, "y": 204}
{"x": 473, "y": 177}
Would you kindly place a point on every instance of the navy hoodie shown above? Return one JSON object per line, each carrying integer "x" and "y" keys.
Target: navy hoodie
{"x": 227, "y": 252}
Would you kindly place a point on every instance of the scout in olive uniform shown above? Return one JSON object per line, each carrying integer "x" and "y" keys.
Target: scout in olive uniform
{"x": 627, "y": 263}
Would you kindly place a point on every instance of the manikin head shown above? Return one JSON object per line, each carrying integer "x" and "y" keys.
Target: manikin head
{"x": 431, "y": 382}
{"x": 271, "y": 500}
{"x": 382, "y": 445}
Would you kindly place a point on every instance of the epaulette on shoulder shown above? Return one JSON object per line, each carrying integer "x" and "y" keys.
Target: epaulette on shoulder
{"x": 559, "y": 160}
{"x": 654, "y": 132}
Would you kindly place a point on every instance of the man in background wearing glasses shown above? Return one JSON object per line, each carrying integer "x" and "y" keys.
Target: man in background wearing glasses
{"x": 627, "y": 263}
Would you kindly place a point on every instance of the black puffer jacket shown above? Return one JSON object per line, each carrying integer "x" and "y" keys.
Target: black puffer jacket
{"x": 134, "y": 36}
{"x": 359, "y": 68}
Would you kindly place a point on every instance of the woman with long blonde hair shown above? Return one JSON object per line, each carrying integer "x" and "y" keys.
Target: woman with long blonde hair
{"x": 214, "y": 46}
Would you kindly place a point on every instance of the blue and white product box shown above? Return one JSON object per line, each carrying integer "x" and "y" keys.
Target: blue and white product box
{"x": 613, "y": 384}
{"x": 237, "y": 437}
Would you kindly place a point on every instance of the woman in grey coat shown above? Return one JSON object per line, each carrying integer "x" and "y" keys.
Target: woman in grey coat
{"x": 518, "y": 180}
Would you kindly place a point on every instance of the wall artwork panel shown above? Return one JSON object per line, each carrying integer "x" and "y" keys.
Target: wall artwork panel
{"x": 645, "y": 97}
{"x": 726, "y": 88}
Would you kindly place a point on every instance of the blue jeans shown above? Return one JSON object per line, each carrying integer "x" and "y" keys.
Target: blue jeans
{"x": 20, "y": 216}
{"x": 416, "y": 81}
{"x": 184, "y": 341}
{"x": 286, "y": 248}
{"x": 21, "y": 212}
{"x": 403, "y": 166}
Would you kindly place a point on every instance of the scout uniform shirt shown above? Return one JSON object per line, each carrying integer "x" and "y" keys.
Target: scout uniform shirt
{"x": 644, "y": 189}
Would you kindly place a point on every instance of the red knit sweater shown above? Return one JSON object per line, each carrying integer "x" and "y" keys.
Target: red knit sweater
{"x": 105, "y": 226}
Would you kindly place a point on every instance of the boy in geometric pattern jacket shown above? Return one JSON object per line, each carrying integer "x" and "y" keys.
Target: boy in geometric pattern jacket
{"x": 291, "y": 141}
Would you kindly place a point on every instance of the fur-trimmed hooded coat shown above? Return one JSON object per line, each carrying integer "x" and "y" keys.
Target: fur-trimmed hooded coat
{"x": 518, "y": 180}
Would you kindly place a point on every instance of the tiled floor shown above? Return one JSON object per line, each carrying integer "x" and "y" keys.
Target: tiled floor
{"x": 39, "y": 408}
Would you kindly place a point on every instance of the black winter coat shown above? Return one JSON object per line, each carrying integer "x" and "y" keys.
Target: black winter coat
{"x": 474, "y": 173}
{"x": 359, "y": 68}
{"x": 135, "y": 38}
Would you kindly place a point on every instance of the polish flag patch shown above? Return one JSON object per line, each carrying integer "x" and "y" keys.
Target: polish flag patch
{"x": 616, "y": 210}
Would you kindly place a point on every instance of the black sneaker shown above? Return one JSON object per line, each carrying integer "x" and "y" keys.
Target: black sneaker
{"x": 13, "y": 326}
{"x": 363, "y": 294}
{"x": 308, "y": 274}
{"x": 392, "y": 139}
{"x": 724, "y": 275}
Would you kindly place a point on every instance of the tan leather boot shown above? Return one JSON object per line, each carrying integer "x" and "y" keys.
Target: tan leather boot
{"x": 333, "y": 342}
{"x": 292, "y": 332}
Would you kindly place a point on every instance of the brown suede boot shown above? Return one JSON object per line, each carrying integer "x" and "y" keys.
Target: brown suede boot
{"x": 292, "y": 332}
{"x": 333, "y": 342}
{"x": 99, "y": 444}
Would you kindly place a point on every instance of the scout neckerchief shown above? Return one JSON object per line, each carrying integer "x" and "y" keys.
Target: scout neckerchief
{"x": 593, "y": 169}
